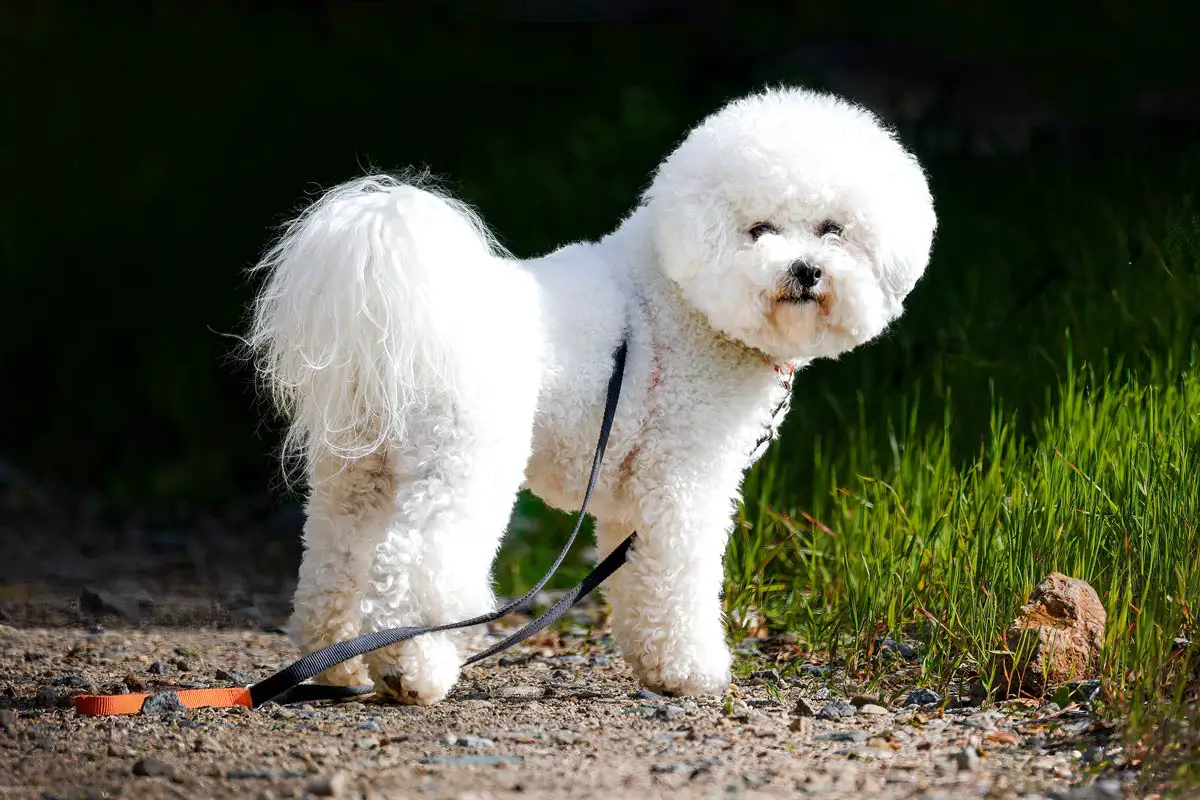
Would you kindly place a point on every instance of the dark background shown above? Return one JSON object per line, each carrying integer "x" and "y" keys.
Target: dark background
{"x": 148, "y": 153}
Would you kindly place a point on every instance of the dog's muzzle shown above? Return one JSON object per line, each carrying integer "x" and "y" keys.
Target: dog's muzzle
{"x": 801, "y": 283}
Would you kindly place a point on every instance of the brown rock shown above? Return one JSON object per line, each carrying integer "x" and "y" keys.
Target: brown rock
{"x": 1057, "y": 636}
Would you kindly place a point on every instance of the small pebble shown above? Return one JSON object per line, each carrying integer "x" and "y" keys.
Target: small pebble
{"x": 513, "y": 661}
{"x": 73, "y": 682}
{"x": 889, "y": 646}
{"x": 151, "y": 767}
{"x": 369, "y": 725}
{"x": 573, "y": 660}
{"x": 8, "y": 721}
{"x": 1107, "y": 789}
{"x": 922, "y": 697}
{"x": 600, "y": 660}
{"x": 802, "y": 708}
{"x": 860, "y": 700}
{"x": 519, "y": 692}
{"x": 966, "y": 759}
{"x": 117, "y": 750}
{"x": 476, "y": 742}
{"x": 236, "y": 677}
{"x": 803, "y": 726}
{"x": 163, "y": 704}
{"x": 157, "y": 668}
{"x": 206, "y": 744}
{"x": 646, "y": 694}
{"x": 844, "y": 736}
{"x": 838, "y": 709}
{"x": 46, "y": 697}
{"x": 872, "y": 709}
{"x": 331, "y": 785}
{"x": 670, "y": 712}
{"x": 770, "y": 676}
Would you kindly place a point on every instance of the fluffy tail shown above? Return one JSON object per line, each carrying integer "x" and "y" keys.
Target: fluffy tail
{"x": 352, "y": 329}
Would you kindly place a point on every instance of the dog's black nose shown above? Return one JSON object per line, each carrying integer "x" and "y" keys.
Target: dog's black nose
{"x": 805, "y": 274}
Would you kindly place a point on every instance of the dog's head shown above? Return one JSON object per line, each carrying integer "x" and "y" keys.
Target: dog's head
{"x": 795, "y": 221}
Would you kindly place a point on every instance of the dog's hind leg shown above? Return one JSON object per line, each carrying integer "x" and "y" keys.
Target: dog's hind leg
{"x": 458, "y": 482}
{"x": 349, "y": 508}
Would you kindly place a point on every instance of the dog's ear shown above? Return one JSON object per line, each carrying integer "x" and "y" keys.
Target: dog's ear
{"x": 691, "y": 231}
{"x": 904, "y": 242}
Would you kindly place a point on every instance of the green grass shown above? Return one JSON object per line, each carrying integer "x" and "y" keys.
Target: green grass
{"x": 1037, "y": 409}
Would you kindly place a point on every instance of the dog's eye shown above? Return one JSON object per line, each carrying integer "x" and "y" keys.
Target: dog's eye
{"x": 829, "y": 227}
{"x": 760, "y": 229}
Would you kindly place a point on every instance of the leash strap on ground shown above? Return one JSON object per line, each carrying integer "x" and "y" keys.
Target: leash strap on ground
{"x": 287, "y": 685}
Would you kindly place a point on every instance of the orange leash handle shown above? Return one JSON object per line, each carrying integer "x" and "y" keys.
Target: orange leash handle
{"x": 94, "y": 705}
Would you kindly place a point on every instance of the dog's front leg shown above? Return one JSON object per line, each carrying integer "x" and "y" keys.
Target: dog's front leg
{"x": 666, "y": 599}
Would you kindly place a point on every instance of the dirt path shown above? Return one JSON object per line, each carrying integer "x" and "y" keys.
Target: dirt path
{"x": 89, "y": 606}
{"x": 565, "y": 720}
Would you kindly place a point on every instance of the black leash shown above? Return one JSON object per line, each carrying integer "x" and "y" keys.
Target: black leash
{"x": 287, "y": 685}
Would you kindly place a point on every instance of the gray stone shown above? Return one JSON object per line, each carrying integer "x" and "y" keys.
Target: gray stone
{"x": 770, "y": 676}
{"x": 922, "y": 697}
{"x": 163, "y": 704}
{"x": 46, "y": 697}
{"x": 890, "y": 647}
{"x": 476, "y": 742}
{"x": 838, "y": 709}
{"x": 236, "y": 677}
{"x": 573, "y": 660}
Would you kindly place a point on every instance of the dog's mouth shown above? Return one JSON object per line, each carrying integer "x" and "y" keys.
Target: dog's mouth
{"x": 801, "y": 297}
{"x": 798, "y": 297}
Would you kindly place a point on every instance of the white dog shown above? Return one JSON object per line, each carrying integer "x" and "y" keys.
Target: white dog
{"x": 429, "y": 376}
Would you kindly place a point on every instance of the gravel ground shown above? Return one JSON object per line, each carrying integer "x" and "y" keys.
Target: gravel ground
{"x": 88, "y": 605}
{"x": 562, "y": 718}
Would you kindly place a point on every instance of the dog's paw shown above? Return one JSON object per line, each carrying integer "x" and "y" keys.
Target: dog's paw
{"x": 419, "y": 672}
{"x": 694, "y": 671}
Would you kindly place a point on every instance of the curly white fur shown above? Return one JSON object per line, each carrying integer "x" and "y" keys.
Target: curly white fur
{"x": 429, "y": 376}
